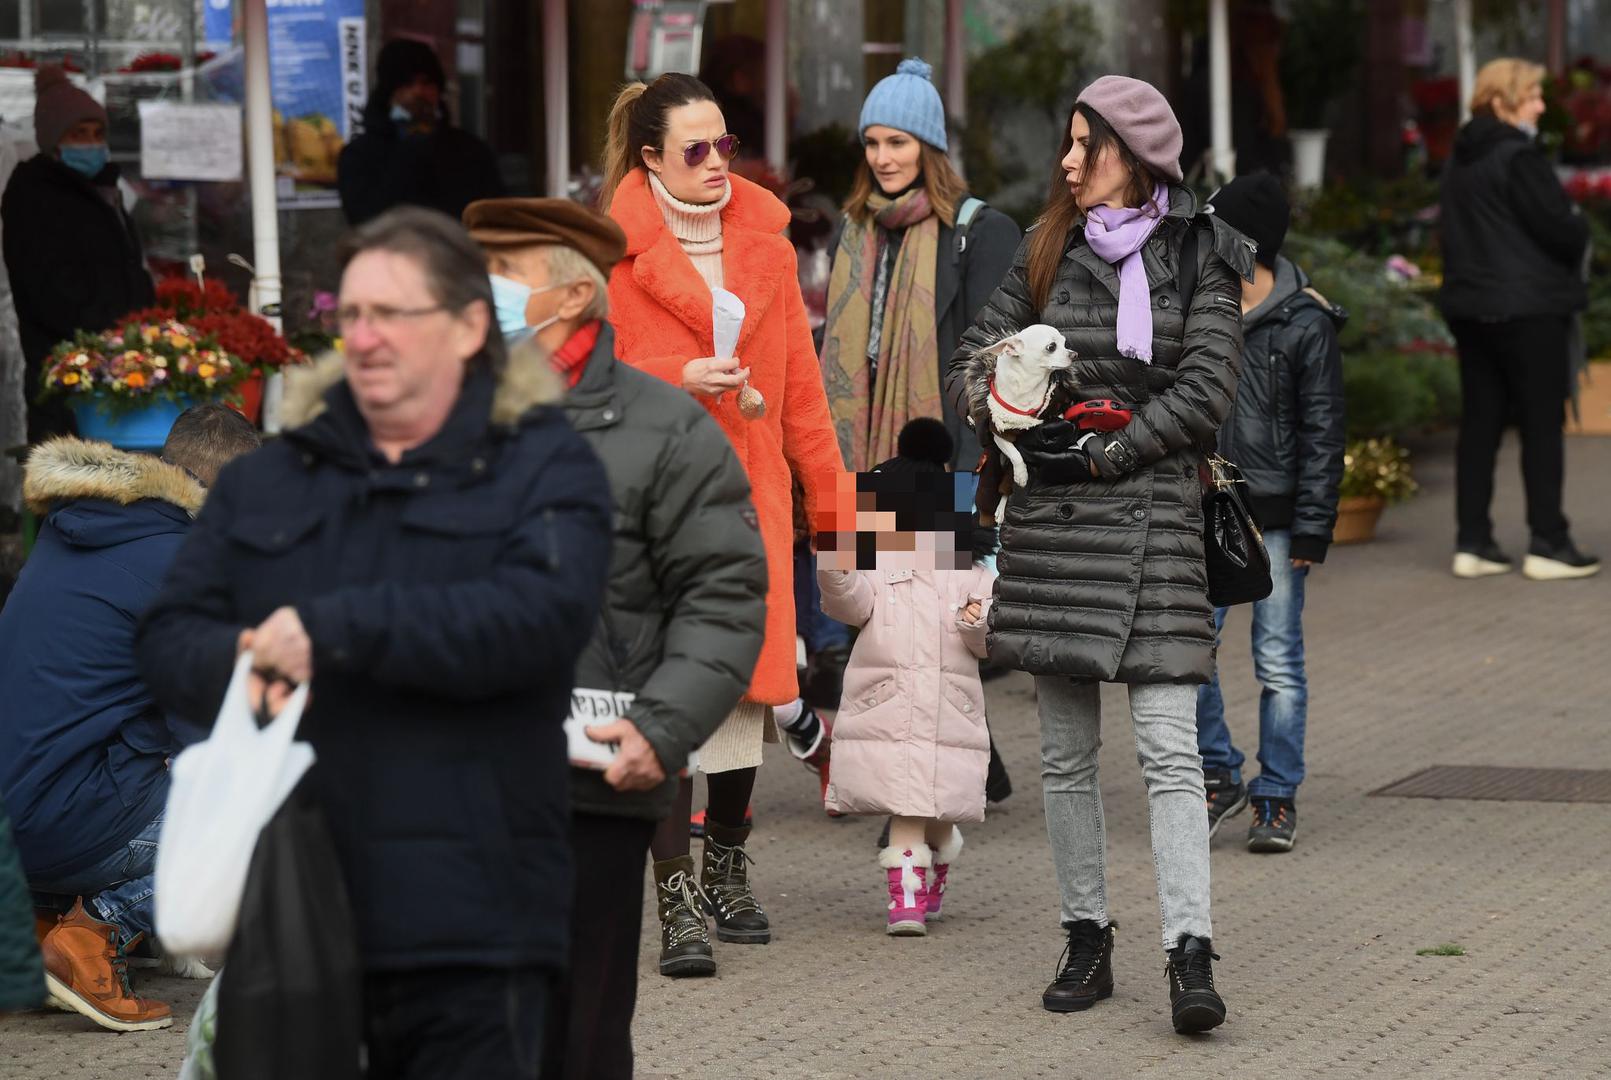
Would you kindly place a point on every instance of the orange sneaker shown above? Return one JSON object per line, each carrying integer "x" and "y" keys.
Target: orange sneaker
{"x": 86, "y": 972}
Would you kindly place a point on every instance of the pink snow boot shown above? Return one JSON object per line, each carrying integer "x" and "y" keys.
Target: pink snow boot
{"x": 944, "y": 856}
{"x": 906, "y": 874}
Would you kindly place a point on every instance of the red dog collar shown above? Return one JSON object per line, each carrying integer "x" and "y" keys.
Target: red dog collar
{"x": 1010, "y": 407}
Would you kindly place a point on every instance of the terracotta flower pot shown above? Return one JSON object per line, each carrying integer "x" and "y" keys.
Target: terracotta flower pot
{"x": 1357, "y": 518}
{"x": 251, "y": 391}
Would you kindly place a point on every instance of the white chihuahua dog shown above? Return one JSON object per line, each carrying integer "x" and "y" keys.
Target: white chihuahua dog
{"x": 1011, "y": 386}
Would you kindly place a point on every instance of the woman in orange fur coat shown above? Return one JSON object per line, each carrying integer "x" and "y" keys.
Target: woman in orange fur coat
{"x": 692, "y": 227}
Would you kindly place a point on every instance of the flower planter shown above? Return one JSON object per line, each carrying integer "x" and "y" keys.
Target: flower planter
{"x": 251, "y": 392}
{"x": 1593, "y": 402}
{"x": 140, "y": 427}
{"x": 1357, "y": 518}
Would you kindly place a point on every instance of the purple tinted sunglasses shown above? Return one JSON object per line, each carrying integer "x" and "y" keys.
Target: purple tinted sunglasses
{"x": 695, "y": 153}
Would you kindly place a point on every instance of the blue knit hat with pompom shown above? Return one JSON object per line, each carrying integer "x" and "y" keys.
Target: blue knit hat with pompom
{"x": 907, "y": 101}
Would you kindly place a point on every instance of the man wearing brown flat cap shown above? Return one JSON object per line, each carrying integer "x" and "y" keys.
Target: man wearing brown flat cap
{"x": 683, "y": 614}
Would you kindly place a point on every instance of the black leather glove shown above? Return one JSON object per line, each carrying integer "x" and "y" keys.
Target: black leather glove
{"x": 1051, "y": 455}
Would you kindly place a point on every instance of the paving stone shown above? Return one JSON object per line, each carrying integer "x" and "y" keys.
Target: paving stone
{"x": 1409, "y": 667}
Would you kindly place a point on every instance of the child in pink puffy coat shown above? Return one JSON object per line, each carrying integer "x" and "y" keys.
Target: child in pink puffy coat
{"x": 909, "y": 740}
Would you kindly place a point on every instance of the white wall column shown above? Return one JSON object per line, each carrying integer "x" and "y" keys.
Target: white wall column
{"x": 556, "y": 99}
{"x": 777, "y": 84}
{"x": 1219, "y": 87}
{"x": 956, "y": 64}
{"x": 1465, "y": 50}
{"x": 266, "y": 283}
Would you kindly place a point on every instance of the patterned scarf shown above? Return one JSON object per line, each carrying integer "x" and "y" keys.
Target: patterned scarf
{"x": 868, "y": 419}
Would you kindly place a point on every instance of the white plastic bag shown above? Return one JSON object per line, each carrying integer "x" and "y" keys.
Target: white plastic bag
{"x": 223, "y": 791}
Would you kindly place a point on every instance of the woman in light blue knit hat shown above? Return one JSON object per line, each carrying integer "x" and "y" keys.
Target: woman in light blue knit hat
{"x": 905, "y": 284}
{"x": 915, "y": 260}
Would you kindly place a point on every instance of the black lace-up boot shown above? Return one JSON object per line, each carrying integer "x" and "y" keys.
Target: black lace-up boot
{"x": 684, "y": 936}
{"x": 1085, "y": 970}
{"x": 725, "y": 880}
{"x": 1193, "y": 1003}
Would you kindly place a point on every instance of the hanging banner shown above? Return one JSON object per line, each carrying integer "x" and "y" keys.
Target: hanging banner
{"x": 319, "y": 77}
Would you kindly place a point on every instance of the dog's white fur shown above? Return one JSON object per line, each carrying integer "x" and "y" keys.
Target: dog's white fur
{"x": 1023, "y": 377}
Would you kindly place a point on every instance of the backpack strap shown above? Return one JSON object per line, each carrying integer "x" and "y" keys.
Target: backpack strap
{"x": 965, "y": 214}
{"x": 1187, "y": 277}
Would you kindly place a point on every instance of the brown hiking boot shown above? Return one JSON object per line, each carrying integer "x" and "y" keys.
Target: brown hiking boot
{"x": 87, "y": 972}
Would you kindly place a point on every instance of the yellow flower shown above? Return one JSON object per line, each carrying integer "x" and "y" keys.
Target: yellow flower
{"x": 179, "y": 341}
{"x": 135, "y": 379}
{"x": 151, "y": 333}
{"x": 206, "y": 371}
{"x": 70, "y": 378}
{"x": 159, "y": 361}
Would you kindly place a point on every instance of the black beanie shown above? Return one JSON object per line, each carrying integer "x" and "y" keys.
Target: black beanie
{"x": 1257, "y": 207}
{"x": 402, "y": 60}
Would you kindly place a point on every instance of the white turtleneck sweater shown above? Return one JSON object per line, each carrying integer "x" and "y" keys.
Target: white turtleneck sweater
{"x": 697, "y": 227}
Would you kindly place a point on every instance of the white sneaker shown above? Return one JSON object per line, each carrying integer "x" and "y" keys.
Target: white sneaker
{"x": 1540, "y": 568}
{"x": 1471, "y": 564}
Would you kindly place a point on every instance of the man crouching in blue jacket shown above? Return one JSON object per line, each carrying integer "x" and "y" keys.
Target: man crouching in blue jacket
{"x": 426, "y": 544}
{"x": 1286, "y": 434}
{"x": 83, "y": 747}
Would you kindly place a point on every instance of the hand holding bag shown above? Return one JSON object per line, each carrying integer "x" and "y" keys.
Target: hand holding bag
{"x": 1233, "y": 546}
{"x": 223, "y": 790}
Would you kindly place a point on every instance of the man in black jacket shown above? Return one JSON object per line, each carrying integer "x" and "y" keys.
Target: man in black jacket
{"x": 1285, "y": 431}
{"x": 421, "y": 544}
{"x": 410, "y": 152}
{"x": 683, "y": 614}
{"x": 72, "y": 254}
{"x": 1513, "y": 248}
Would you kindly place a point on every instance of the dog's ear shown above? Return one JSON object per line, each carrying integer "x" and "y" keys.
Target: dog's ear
{"x": 1012, "y": 345}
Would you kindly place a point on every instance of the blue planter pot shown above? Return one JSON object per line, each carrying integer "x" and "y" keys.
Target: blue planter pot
{"x": 144, "y": 427}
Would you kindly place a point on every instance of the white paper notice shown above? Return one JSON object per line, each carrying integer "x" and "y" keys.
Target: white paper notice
{"x": 726, "y": 319}
{"x": 181, "y": 141}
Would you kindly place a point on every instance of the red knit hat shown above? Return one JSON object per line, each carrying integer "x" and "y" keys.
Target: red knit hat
{"x": 1142, "y": 118}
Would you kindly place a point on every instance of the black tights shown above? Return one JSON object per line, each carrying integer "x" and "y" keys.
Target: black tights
{"x": 727, "y": 795}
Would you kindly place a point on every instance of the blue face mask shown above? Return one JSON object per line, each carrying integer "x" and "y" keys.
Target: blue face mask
{"x": 509, "y": 300}
{"x": 87, "y": 160}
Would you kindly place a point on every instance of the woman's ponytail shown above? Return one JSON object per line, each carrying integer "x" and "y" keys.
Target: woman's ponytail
{"x": 618, "y": 148}
{"x": 638, "y": 119}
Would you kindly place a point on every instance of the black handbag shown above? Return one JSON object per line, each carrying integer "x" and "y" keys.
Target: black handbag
{"x": 1233, "y": 546}
{"x": 290, "y": 995}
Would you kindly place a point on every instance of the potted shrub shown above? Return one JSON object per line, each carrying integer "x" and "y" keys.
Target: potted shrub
{"x": 1318, "y": 55}
{"x": 1376, "y": 473}
{"x": 128, "y": 385}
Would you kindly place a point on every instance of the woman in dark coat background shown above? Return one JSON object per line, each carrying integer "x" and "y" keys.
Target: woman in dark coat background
{"x": 1513, "y": 248}
{"x": 1102, "y": 577}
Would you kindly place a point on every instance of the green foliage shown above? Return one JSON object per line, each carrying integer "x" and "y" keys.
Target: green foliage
{"x": 1397, "y": 393}
{"x": 1597, "y": 319}
{"x": 1441, "y": 950}
{"x": 1040, "y": 67}
{"x": 1324, "y": 40}
{"x": 1380, "y": 217}
{"x": 1377, "y": 468}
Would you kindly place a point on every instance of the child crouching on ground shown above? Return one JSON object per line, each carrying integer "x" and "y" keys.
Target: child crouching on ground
{"x": 909, "y": 740}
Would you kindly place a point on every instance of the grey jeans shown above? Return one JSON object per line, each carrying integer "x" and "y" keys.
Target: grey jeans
{"x": 1164, "y": 717}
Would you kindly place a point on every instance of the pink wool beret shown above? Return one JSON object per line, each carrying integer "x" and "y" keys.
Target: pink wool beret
{"x": 1140, "y": 116}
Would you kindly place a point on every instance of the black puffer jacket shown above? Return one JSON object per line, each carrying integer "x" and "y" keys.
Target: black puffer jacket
{"x": 1512, "y": 240}
{"x": 1285, "y": 431}
{"x": 685, "y": 608}
{"x": 1105, "y": 579}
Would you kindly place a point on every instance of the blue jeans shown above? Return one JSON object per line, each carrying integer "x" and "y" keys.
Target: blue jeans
{"x": 118, "y": 889}
{"x": 819, "y": 631}
{"x": 1278, "y": 665}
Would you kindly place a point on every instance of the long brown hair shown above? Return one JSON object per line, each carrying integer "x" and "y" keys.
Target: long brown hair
{"x": 946, "y": 189}
{"x": 1062, "y": 212}
{"x": 638, "y": 119}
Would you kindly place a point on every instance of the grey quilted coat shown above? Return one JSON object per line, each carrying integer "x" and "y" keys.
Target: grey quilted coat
{"x": 1104, "y": 579}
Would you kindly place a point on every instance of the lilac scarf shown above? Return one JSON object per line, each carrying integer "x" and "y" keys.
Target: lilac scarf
{"x": 1117, "y": 235}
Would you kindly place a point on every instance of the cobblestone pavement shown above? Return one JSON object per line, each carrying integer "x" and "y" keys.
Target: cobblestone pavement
{"x": 1409, "y": 668}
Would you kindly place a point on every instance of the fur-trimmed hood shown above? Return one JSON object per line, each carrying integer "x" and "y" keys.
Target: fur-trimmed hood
{"x": 528, "y": 380}
{"x": 66, "y": 470}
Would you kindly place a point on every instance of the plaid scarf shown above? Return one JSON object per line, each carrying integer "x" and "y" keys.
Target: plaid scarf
{"x": 905, "y": 382}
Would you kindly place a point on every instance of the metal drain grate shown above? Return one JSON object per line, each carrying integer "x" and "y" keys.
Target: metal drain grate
{"x": 1504, "y": 784}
